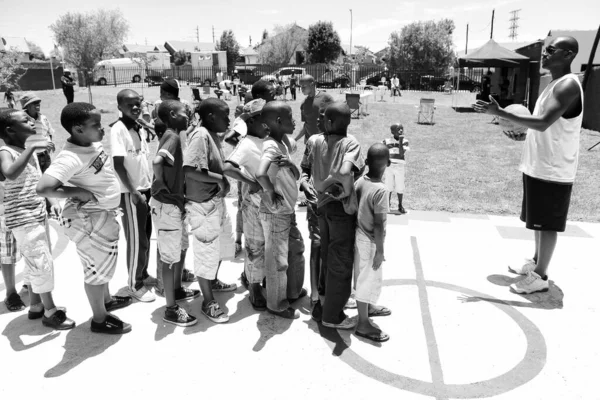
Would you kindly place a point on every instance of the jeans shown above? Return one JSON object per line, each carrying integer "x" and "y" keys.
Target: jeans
{"x": 337, "y": 258}
{"x": 295, "y": 272}
{"x": 276, "y": 228}
{"x": 254, "y": 242}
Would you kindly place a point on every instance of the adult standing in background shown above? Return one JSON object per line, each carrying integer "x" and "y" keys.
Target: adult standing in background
{"x": 310, "y": 107}
{"x": 68, "y": 82}
{"x": 293, "y": 84}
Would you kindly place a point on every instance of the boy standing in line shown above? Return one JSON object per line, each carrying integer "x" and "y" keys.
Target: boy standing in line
{"x": 370, "y": 237}
{"x": 129, "y": 151}
{"x": 25, "y": 215}
{"x": 31, "y": 105}
{"x": 168, "y": 213}
{"x": 89, "y": 218}
{"x": 205, "y": 189}
{"x": 394, "y": 175}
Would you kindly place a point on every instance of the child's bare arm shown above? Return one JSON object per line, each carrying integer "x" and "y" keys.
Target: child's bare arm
{"x": 345, "y": 170}
{"x": 236, "y": 173}
{"x": 262, "y": 176}
{"x": 157, "y": 168}
{"x": 51, "y": 187}
{"x": 379, "y": 232}
{"x": 12, "y": 169}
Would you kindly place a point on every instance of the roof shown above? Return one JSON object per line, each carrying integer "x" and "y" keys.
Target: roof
{"x": 18, "y": 43}
{"x": 508, "y": 45}
{"x": 355, "y": 49}
{"x": 139, "y": 48}
{"x": 192, "y": 46}
{"x": 491, "y": 54}
{"x": 248, "y": 51}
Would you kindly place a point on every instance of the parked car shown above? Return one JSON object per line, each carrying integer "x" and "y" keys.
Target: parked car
{"x": 331, "y": 79}
{"x": 430, "y": 82}
{"x": 284, "y": 73}
{"x": 248, "y": 75}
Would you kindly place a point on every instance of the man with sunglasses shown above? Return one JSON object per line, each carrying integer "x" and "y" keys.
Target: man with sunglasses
{"x": 549, "y": 158}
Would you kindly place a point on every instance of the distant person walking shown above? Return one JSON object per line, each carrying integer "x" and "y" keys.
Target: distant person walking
{"x": 9, "y": 98}
{"x": 549, "y": 159}
{"x": 67, "y": 85}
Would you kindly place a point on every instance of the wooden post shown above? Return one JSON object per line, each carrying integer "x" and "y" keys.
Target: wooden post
{"x": 588, "y": 69}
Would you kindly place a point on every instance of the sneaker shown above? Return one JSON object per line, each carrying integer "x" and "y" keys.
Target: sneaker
{"x": 317, "y": 312}
{"x": 188, "y": 276}
{"x": 218, "y": 286}
{"x": 402, "y": 210}
{"x": 58, "y": 321}
{"x": 117, "y": 302}
{"x": 527, "y": 267}
{"x": 151, "y": 281}
{"x": 14, "y": 303}
{"x": 531, "y": 284}
{"x": 185, "y": 294}
{"x": 143, "y": 294}
{"x": 111, "y": 326}
{"x": 214, "y": 313}
{"x": 351, "y": 303}
{"x": 348, "y": 323}
{"x": 288, "y": 313}
{"x": 303, "y": 293}
{"x": 178, "y": 316}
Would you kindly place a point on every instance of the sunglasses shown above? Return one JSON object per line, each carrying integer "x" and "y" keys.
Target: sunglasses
{"x": 550, "y": 50}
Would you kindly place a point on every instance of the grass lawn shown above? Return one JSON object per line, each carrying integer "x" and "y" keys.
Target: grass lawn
{"x": 462, "y": 164}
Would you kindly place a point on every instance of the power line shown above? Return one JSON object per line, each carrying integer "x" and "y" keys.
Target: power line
{"x": 514, "y": 26}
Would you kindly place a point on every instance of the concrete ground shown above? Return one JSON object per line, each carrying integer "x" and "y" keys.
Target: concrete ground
{"x": 456, "y": 329}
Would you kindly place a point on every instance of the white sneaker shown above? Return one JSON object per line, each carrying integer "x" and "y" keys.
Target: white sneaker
{"x": 531, "y": 284}
{"x": 527, "y": 267}
{"x": 351, "y": 303}
{"x": 143, "y": 294}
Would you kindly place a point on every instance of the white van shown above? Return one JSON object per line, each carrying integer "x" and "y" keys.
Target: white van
{"x": 119, "y": 71}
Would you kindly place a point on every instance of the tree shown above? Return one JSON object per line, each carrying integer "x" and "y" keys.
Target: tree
{"x": 11, "y": 69}
{"x": 36, "y": 52}
{"x": 228, "y": 44}
{"x": 91, "y": 37}
{"x": 362, "y": 54}
{"x": 283, "y": 45}
{"x": 323, "y": 43}
{"x": 180, "y": 57}
{"x": 423, "y": 45}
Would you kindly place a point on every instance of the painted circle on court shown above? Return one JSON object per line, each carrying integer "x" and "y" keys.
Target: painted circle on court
{"x": 528, "y": 368}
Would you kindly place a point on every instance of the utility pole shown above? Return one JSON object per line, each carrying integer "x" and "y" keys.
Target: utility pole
{"x": 197, "y": 34}
{"x": 250, "y": 41}
{"x": 492, "y": 32}
{"x": 350, "y": 34}
{"x": 146, "y": 41}
{"x": 514, "y": 24}
{"x": 213, "y": 28}
{"x": 467, "y": 43}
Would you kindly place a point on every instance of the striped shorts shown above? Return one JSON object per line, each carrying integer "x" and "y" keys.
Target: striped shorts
{"x": 9, "y": 251}
{"x": 96, "y": 237}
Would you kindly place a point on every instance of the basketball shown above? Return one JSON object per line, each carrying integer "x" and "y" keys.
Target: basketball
{"x": 36, "y": 139}
{"x": 509, "y": 126}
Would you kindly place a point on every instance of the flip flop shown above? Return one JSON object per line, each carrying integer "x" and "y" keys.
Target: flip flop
{"x": 380, "y": 311}
{"x": 376, "y": 337}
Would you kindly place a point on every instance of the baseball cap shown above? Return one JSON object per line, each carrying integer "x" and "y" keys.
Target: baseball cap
{"x": 252, "y": 109}
{"x": 29, "y": 98}
{"x": 171, "y": 86}
{"x": 66, "y": 70}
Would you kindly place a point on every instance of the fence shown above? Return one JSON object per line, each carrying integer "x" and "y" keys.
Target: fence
{"x": 38, "y": 76}
{"x": 326, "y": 76}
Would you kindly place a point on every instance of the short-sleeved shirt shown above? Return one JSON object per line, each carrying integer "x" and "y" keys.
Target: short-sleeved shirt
{"x": 89, "y": 168}
{"x": 396, "y": 150}
{"x": 373, "y": 199}
{"x": 204, "y": 151}
{"x": 131, "y": 145}
{"x": 310, "y": 111}
{"x": 283, "y": 178}
{"x": 169, "y": 188}
{"x": 247, "y": 155}
{"x": 67, "y": 83}
{"x": 326, "y": 157}
{"x": 22, "y": 204}
{"x": 43, "y": 127}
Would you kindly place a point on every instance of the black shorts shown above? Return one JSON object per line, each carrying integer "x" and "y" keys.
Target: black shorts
{"x": 545, "y": 204}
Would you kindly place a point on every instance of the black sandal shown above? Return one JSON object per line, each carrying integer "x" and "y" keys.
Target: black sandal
{"x": 14, "y": 303}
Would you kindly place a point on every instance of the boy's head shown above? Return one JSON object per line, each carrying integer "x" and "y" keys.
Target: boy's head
{"x": 252, "y": 114}
{"x": 263, "y": 90}
{"x": 129, "y": 103}
{"x": 378, "y": 158}
{"x": 15, "y": 126}
{"x": 172, "y": 113}
{"x": 321, "y": 116}
{"x": 307, "y": 85}
{"x": 160, "y": 128}
{"x": 277, "y": 119}
{"x": 83, "y": 122}
{"x": 214, "y": 114}
{"x": 30, "y": 103}
{"x": 397, "y": 130}
{"x": 337, "y": 118}
{"x": 169, "y": 89}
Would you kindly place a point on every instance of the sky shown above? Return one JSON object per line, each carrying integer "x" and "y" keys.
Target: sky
{"x": 155, "y": 21}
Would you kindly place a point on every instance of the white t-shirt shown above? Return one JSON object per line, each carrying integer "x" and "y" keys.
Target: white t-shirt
{"x": 247, "y": 155}
{"x": 133, "y": 147}
{"x": 283, "y": 178}
{"x": 89, "y": 168}
{"x": 553, "y": 155}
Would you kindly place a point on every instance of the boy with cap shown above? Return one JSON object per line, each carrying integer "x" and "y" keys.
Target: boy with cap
{"x": 31, "y": 105}
{"x": 394, "y": 175}
{"x": 68, "y": 82}
{"x": 129, "y": 151}
{"x": 83, "y": 175}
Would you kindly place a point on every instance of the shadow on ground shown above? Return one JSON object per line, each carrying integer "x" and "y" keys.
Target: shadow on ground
{"x": 22, "y": 326}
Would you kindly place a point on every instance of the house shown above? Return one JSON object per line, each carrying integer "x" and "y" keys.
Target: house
{"x": 16, "y": 43}
{"x": 249, "y": 55}
{"x": 585, "y": 40}
{"x": 382, "y": 55}
{"x": 366, "y": 56}
{"x": 189, "y": 46}
{"x": 133, "y": 50}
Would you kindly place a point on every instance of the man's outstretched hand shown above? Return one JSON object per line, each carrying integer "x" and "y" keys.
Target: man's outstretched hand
{"x": 487, "y": 108}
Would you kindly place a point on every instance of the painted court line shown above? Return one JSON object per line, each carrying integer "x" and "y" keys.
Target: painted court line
{"x": 437, "y": 375}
